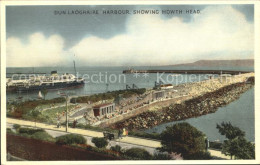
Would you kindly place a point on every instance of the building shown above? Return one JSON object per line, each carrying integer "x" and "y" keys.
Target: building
{"x": 166, "y": 86}
{"x": 104, "y": 109}
{"x": 158, "y": 95}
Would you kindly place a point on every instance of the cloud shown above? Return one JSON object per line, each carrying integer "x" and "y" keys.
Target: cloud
{"x": 39, "y": 51}
{"x": 219, "y": 32}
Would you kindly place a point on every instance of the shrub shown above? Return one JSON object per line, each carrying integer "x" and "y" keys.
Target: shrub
{"x": 200, "y": 156}
{"x": 43, "y": 136}
{"x": 39, "y": 134}
{"x": 116, "y": 148}
{"x": 99, "y": 142}
{"x": 29, "y": 131}
{"x": 9, "y": 131}
{"x": 161, "y": 156}
{"x": 138, "y": 153}
{"x": 70, "y": 139}
{"x": 16, "y": 126}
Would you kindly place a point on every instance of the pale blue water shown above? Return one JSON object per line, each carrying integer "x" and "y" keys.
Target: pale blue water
{"x": 240, "y": 113}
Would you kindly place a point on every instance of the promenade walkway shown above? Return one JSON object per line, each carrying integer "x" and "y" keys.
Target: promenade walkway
{"x": 128, "y": 139}
{"x": 131, "y": 140}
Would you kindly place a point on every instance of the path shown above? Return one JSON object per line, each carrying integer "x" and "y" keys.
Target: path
{"x": 125, "y": 142}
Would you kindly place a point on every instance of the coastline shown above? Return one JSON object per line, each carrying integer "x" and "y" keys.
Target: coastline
{"x": 195, "y": 107}
{"x": 213, "y": 94}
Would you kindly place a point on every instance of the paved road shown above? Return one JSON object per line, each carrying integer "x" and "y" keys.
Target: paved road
{"x": 125, "y": 142}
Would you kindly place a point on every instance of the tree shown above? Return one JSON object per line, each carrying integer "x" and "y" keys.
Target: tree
{"x": 44, "y": 91}
{"x": 236, "y": 145}
{"x": 230, "y": 131}
{"x": 99, "y": 142}
{"x": 184, "y": 139}
{"x": 35, "y": 115}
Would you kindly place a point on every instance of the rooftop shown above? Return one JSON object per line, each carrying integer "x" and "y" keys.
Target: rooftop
{"x": 103, "y": 105}
{"x": 166, "y": 85}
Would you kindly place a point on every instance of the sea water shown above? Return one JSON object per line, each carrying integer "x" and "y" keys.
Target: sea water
{"x": 239, "y": 113}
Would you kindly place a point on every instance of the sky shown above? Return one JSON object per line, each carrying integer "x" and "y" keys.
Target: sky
{"x": 35, "y": 36}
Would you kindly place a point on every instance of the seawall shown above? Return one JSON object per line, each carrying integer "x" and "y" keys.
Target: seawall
{"x": 198, "y": 106}
{"x": 187, "y": 71}
{"x": 188, "y": 95}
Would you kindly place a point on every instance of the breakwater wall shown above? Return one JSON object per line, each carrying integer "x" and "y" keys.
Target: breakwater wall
{"x": 141, "y": 110}
{"x": 187, "y": 71}
{"x": 193, "y": 107}
{"x": 185, "y": 92}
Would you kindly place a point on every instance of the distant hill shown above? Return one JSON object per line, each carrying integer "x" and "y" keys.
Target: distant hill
{"x": 220, "y": 63}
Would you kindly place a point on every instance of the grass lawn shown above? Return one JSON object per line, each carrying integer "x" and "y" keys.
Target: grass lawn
{"x": 46, "y": 106}
{"x": 52, "y": 113}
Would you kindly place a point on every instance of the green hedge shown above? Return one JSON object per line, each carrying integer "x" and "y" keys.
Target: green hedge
{"x": 29, "y": 131}
{"x": 70, "y": 139}
{"x": 43, "y": 136}
{"x": 138, "y": 153}
{"x": 99, "y": 142}
{"x": 116, "y": 148}
{"x": 39, "y": 134}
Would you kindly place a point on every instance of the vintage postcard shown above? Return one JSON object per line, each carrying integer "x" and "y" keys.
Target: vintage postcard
{"x": 129, "y": 82}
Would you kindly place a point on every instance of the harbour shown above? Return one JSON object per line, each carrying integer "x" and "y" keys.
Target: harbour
{"x": 148, "y": 84}
{"x": 127, "y": 81}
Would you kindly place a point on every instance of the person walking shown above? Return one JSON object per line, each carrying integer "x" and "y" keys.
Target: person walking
{"x": 119, "y": 134}
{"x": 74, "y": 123}
{"x": 58, "y": 124}
{"x": 124, "y": 133}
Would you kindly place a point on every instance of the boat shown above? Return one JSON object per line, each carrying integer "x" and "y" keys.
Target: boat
{"x": 40, "y": 95}
{"x": 54, "y": 81}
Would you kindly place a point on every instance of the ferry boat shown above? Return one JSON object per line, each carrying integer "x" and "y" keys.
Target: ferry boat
{"x": 52, "y": 82}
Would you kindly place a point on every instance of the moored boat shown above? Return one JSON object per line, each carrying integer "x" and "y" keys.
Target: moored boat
{"x": 52, "y": 82}
{"x": 40, "y": 95}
